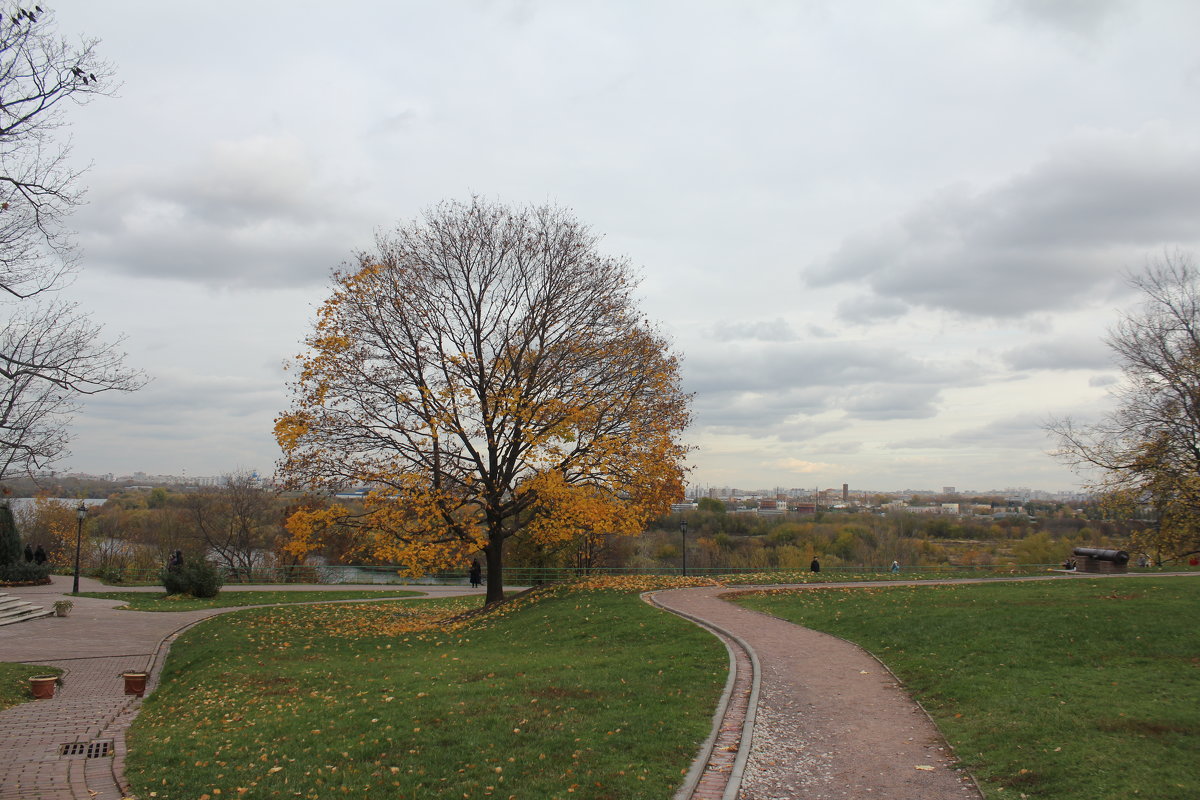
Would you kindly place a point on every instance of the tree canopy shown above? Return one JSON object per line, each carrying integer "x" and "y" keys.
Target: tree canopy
{"x": 1147, "y": 449}
{"x": 486, "y": 372}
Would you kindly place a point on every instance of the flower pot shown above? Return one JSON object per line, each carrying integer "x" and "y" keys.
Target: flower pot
{"x": 60, "y": 611}
{"x": 43, "y": 686}
{"x": 135, "y": 683}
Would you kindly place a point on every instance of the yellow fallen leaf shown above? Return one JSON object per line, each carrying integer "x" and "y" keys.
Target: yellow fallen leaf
{"x": 925, "y": 767}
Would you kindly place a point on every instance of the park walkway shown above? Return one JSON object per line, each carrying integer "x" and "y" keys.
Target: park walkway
{"x": 824, "y": 719}
{"x": 817, "y": 717}
{"x": 90, "y": 712}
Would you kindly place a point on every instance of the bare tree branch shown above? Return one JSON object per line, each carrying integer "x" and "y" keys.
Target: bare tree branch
{"x": 1148, "y": 446}
{"x": 50, "y": 352}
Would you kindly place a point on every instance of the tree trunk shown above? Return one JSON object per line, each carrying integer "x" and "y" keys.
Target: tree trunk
{"x": 494, "y": 556}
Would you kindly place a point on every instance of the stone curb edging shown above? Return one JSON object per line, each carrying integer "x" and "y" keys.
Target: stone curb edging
{"x": 129, "y": 711}
{"x": 701, "y": 762}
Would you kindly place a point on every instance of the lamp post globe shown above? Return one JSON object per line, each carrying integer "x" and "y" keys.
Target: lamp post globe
{"x": 80, "y": 514}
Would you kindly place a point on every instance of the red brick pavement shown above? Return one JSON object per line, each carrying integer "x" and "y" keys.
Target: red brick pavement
{"x": 95, "y": 644}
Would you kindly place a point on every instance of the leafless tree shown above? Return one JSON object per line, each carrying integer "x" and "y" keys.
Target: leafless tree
{"x": 1148, "y": 446}
{"x": 50, "y": 352}
{"x": 238, "y": 523}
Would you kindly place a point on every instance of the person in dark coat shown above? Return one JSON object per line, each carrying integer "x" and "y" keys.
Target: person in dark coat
{"x": 176, "y": 562}
{"x": 815, "y": 566}
{"x": 476, "y": 574}
{"x": 39, "y": 555}
{"x": 28, "y": 554}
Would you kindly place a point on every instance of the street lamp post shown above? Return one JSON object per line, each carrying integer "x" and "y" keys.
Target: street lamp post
{"x": 683, "y": 530}
{"x": 80, "y": 513}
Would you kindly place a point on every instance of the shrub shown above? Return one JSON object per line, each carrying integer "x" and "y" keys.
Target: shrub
{"x": 108, "y": 574}
{"x": 195, "y": 577}
{"x": 24, "y": 572}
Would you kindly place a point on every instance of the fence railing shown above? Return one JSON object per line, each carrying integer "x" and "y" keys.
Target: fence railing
{"x": 533, "y": 576}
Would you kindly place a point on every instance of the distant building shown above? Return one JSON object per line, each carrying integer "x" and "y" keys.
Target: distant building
{"x": 772, "y": 507}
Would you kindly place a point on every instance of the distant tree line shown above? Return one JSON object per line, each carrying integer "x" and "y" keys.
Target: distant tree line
{"x": 241, "y": 528}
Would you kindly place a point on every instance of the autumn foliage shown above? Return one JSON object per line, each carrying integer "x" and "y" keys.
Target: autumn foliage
{"x": 487, "y": 374}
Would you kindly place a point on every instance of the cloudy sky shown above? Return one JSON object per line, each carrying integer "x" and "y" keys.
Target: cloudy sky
{"x": 888, "y": 238}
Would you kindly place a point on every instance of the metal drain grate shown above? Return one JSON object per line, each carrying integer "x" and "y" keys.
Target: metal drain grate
{"x": 86, "y": 749}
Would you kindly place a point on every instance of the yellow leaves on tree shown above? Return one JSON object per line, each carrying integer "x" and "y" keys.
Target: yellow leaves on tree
{"x": 53, "y": 524}
{"x": 487, "y": 374}
{"x": 288, "y": 430}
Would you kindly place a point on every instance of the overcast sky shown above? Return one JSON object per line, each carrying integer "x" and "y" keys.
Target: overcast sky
{"x": 887, "y": 238}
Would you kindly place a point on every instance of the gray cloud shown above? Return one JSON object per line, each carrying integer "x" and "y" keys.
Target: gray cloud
{"x": 172, "y": 399}
{"x": 251, "y": 214}
{"x": 1042, "y": 241}
{"x": 1022, "y": 432}
{"x": 1059, "y": 354}
{"x": 1079, "y": 17}
{"x": 776, "y": 330}
{"x": 771, "y": 389}
{"x": 871, "y": 308}
{"x": 892, "y": 401}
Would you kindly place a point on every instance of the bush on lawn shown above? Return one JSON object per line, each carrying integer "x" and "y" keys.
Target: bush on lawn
{"x": 196, "y": 577}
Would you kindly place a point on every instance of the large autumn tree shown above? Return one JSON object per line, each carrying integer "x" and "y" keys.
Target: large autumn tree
{"x": 1146, "y": 450}
{"x": 487, "y": 372}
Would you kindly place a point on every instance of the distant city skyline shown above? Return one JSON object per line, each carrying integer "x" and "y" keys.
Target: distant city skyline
{"x": 886, "y": 239}
{"x": 691, "y": 492}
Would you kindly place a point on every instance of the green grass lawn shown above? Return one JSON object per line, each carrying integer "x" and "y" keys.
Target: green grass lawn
{"x": 853, "y": 575}
{"x": 14, "y": 682}
{"x": 1088, "y": 688}
{"x": 160, "y": 601}
{"x": 568, "y": 693}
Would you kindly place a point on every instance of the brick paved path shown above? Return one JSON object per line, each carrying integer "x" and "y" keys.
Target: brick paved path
{"x": 95, "y": 644}
{"x": 831, "y": 721}
{"x": 717, "y": 771}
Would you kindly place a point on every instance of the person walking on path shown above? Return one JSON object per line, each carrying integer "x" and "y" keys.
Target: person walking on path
{"x": 476, "y": 574}
{"x": 40, "y": 556}
{"x": 815, "y": 566}
{"x": 895, "y": 566}
{"x": 28, "y": 554}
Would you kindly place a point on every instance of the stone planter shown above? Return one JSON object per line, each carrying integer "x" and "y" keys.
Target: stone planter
{"x": 43, "y": 686}
{"x": 135, "y": 683}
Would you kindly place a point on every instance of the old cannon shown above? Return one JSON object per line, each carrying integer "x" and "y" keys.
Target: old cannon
{"x": 1095, "y": 559}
